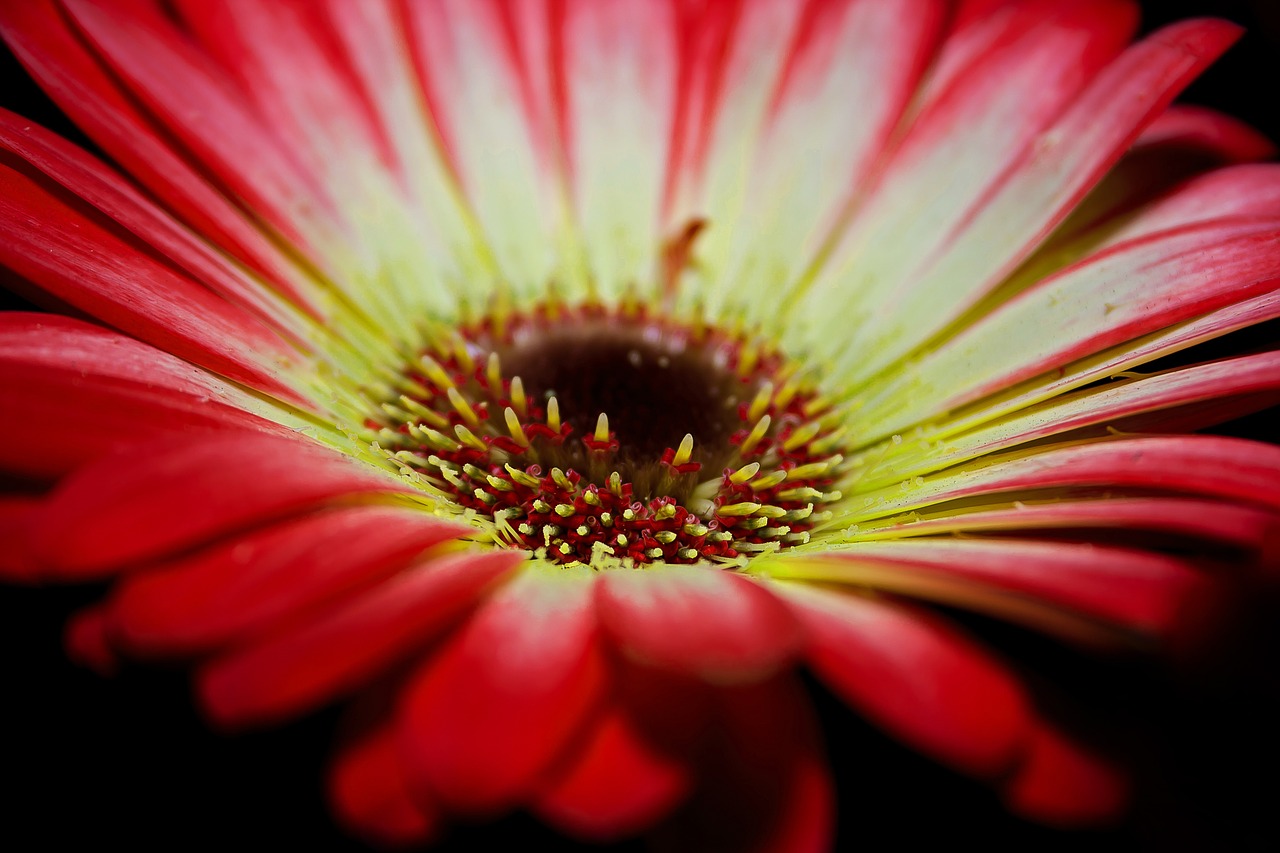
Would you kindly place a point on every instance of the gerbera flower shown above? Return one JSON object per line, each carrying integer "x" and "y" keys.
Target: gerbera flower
{"x": 552, "y": 381}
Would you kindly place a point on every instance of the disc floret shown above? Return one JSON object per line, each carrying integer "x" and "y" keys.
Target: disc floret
{"x": 600, "y": 475}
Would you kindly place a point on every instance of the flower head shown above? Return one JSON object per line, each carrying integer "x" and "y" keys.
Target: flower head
{"x": 551, "y": 380}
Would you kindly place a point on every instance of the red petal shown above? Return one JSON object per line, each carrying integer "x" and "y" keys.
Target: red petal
{"x": 17, "y": 563}
{"x": 169, "y": 495}
{"x": 183, "y": 88}
{"x": 87, "y": 640}
{"x": 923, "y": 681}
{"x": 246, "y": 585}
{"x": 81, "y": 258}
{"x": 766, "y": 788}
{"x": 1064, "y": 784}
{"x": 1039, "y": 583}
{"x": 617, "y": 786}
{"x": 111, "y": 194}
{"x": 309, "y": 664}
{"x": 82, "y": 392}
{"x": 489, "y": 714}
{"x": 40, "y": 35}
{"x": 698, "y": 620}
{"x": 370, "y": 796}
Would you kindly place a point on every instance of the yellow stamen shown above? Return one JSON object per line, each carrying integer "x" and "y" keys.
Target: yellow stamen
{"x": 684, "y": 451}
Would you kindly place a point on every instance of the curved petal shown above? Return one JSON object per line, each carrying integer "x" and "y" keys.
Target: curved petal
{"x": 43, "y": 39}
{"x": 1247, "y": 472}
{"x": 1033, "y": 195}
{"x": 245, "y": 586}
{"x": 925, "y": 682}
{"x": 17, "y": 564}
{"x": 306, "y": 665}
{"x": 765, "y": 785}
{"x": 1042, "y": 584}
{"x": 697, "y": 620}
{"x": 1140, "y": 286}
{"x": 63, "y": 375}
{"x": 507, "y": 696}
{"x": 88, "y": 642}
{"x": 1176, "y": 519}
{"x": 369, "y": 794}
{"x": 1065, "y": 784}
{"x": 1190, "y": 397}
{"x": 173, "y": 494}
{"x": 80, "y": 257}
{"x": 109, "y": 193}
{"x": 616, "y": 786}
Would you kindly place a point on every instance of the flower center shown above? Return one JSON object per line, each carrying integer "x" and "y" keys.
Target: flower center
{"x": 589, "y": 435}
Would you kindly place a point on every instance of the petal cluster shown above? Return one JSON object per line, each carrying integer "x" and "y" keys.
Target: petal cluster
{"x": 979, "y": 228}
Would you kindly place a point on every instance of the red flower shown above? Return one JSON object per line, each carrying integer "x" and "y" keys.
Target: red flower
{"x": 550, "y": 380}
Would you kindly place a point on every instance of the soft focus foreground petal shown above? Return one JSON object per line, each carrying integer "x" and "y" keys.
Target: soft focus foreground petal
{"x": 244, "y": 586}
{"x": 72, "y": 392}
{"x": 911, "y": 674}
{"x": 765, "y": 786}
{"x": 1189, "y": 398}
{"x": 88, "y": 642}
{"x": 483, "y": 721}
{"x": 618, "y": 785}
{"x": 81, "y": 258}
{"x": 1061, "y": 783}
{"x": 370, "y": 796}
{"x": 103, "y": 188}
{"x": 173, "y": 494}
{"x": 697, "y": 620}
{"x": 770, "y": 210}
{"x": 1035, "y": 193}
{"x": 1058, "y": 587}
{"x": 306, "y": 665}
{"x": 43, "y": 39}
{"x": 1175, "y": 519}
{"x": 17, "y": 563}
{"x": 1244, "y": 471}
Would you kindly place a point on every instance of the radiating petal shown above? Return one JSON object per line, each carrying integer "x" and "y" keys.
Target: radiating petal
{"x": 88, "y": 641}
{"x": 907, "y": 671}
{"x": 1059, "y": 587}
{"x": 175, "y": 494}
{"x": 78, "y": 256}
{"x": 1177, "y": 519}
{"x": 616, "y": 786}
{"x": 17, "y": 564}
{"x": 250, "y": 583}
{"x": 770, "y": 208}
{"x": 765, "y": 785}
{"x": 1186, "y": 398}
{"x": 108, "y": 192}
{"x": 348, "y": 645}
{"x": 43, "y": 39}
{"x": 1129, "y": 290}
{"x": 1035, "y": 193}
{"x": 1065, "y": 784}
{"x": 84, "y": 391}
{"x": 1210, "y": 466}
{"x": 371, "y": 797}
{"x": 510, "y": 692}
{"x": 697, "y": 620}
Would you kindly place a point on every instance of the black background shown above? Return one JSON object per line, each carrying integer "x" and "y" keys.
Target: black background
{"x": 127, "y": 761}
